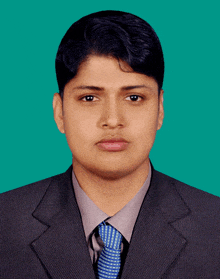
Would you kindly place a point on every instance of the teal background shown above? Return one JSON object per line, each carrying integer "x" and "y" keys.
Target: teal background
{"x": 187, "y": 146}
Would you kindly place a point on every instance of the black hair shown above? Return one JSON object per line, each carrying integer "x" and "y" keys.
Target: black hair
{"x": 112, "y": 33}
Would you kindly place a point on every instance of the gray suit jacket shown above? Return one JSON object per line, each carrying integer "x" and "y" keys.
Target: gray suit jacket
{"x": 176, "y": 235}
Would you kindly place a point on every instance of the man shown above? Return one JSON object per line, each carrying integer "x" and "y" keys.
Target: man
{"x": 110, "y": 215}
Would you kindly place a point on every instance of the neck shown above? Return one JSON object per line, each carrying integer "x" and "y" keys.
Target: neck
{"x": 111, "y": 195}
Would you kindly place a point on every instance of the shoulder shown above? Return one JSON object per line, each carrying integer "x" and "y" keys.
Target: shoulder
{"x": 190, "y": 193}
{"x": 203, "y": 206}
{"x": 27, "y": 197}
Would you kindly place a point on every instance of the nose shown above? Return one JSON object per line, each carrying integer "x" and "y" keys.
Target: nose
{"x": 112, "y": 115}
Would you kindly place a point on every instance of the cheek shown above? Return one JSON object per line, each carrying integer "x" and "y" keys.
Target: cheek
{"x": 144, "y": 124}
{"x": 80, "y": 127}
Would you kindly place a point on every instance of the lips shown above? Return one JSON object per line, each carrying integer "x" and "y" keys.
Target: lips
{"x": 113, "y": 144}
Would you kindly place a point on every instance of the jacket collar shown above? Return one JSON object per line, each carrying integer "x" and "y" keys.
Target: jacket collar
{"x": 154, "y": 246}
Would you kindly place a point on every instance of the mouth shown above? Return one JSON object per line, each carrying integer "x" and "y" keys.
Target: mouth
{"x": 113, "y": 144}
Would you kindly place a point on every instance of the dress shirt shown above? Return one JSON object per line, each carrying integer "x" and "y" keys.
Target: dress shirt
{"x": 124, "y": 220}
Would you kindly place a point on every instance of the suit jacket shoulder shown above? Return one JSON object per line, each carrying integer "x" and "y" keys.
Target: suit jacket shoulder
{"x": 27, "y": 195}
{"x": 204, "y": 206}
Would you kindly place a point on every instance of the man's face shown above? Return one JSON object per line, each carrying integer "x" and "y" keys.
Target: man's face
{"x": 104, "y": 102}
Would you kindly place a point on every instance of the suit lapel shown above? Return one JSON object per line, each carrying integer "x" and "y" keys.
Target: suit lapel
{"x": 155, "y": 243}
{"x": 62, "y": 248}
{"x": 154, "y": 246}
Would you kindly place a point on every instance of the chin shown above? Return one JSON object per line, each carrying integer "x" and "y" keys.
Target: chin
{"x": 111, "y": 174}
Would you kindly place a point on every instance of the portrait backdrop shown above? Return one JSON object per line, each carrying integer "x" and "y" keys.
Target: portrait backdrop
{"x": 187, "y": 146}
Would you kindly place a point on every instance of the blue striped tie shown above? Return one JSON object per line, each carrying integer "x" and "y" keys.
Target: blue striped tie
{"x": 110, "y": 259}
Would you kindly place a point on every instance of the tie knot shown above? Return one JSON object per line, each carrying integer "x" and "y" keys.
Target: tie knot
{"x": 110, "y": 236}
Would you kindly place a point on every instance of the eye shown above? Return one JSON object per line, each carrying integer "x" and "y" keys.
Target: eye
{"x": 135, "y": 98}
{"x": 88, "y": 98}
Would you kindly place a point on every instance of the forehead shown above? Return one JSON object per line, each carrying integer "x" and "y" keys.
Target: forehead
{"x": 109, "y": 73}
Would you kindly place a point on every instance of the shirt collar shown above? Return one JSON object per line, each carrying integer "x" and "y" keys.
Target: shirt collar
{"x": 123, "y": 220}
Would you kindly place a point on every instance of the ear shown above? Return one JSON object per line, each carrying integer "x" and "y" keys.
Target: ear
{"x": 160, "y": 110}
{"x": 58, "y": 112}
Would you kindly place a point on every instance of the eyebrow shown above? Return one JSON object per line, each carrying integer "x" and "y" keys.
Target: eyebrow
{"x": 85, "y": 87}
{"x": 124, "y": 88}
{"x": 134, "y": 87}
